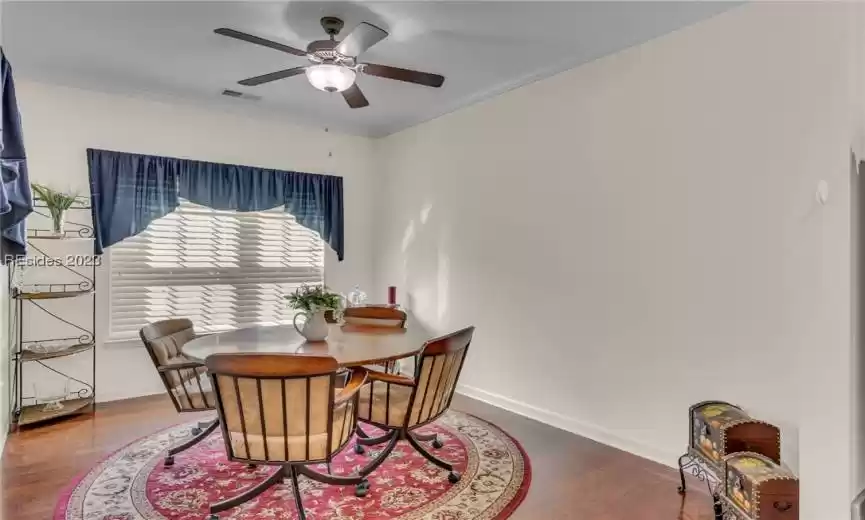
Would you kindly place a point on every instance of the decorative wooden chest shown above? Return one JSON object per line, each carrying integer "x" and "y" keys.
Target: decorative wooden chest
{"x": 719, "y": 429}
{"x": 759, "y": 489}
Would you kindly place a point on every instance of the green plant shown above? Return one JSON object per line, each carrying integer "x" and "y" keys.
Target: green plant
{"x": 312, "y": 298}
{"x": 57, "y": 202}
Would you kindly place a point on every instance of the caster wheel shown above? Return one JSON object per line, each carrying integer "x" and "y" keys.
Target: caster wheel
{"x": 454, "y": 477}
{"x": 362, "y": 489}
{"x": 169, "y": 461}
{"x": 437, "y": 444}
{"x": 359, "y": 449}
{"x": 681, "y": 490}
{"x": 196, "y": 431}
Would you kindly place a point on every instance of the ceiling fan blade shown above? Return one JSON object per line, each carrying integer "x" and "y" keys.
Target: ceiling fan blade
{"x": 354, "y": 97}
{"x": 410, "y": 76}
{"x": 231, "y": 33}
{"x": 360, "y": 39}
{"x": 273, "y": 76}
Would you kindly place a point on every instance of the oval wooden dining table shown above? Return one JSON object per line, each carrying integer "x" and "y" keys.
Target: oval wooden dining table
{"x": 350, "y": 345}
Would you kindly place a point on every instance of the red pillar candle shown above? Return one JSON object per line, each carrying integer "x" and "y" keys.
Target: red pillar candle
{"x": 391, "y": 295}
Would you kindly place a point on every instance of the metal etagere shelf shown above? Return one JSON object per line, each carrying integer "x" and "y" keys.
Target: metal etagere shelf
{"x": 50, "y": 354}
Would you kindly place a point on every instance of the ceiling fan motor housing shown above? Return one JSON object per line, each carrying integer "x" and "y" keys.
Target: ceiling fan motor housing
{"x": 324, "y": 51}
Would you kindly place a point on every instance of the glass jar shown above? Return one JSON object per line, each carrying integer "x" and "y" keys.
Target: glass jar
{"x": 356, "y": 297}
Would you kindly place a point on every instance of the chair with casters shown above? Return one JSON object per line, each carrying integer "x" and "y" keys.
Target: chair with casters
{"x": 184, "y": 379}
{"x": 377, "y": 316}
{"x": 285, "y": 410}
{"x": 400, "y": 405}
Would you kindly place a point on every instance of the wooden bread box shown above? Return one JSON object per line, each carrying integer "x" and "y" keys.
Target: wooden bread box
{"x": 719, "y": 429}
{"x": 759, "y": 489}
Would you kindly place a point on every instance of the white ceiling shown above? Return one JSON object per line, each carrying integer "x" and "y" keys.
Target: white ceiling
{"x": 167, "y": 50}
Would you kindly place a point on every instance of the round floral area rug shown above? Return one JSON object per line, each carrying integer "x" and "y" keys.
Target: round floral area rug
{"x": 133, "y": 484}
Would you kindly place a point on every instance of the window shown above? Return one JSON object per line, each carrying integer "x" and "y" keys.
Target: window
{"x": 221, "y": 269}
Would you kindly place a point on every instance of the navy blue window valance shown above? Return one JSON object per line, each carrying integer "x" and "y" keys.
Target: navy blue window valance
{"x": 129, "y": 191}
{"x": 16, "y": 201}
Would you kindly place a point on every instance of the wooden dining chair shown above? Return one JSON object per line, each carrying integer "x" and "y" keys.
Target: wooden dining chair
{"x": 399, "y": 405}
{"x": 377, "y": 316}
{"x": 284, "y": 410}
{"x": 184, "y": 380}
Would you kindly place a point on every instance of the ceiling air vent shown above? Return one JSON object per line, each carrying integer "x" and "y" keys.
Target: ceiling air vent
{"x": 240, "y": 95}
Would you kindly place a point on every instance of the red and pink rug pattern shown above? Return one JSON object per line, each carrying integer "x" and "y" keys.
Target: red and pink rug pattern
{"x": 133, "y": 484}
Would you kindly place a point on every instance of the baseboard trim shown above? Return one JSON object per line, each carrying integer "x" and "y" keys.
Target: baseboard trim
{"x": 572, "y": 425}
{"x": 113, "y": 398}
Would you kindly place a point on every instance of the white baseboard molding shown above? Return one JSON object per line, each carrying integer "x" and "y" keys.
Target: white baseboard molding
{"x": 122, "y": 396}
{"x": 572, "y": 425}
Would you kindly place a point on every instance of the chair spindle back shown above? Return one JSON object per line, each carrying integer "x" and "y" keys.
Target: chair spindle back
{"x": 437, "y": 373}
{"x": 182, "y": 378}
{"x": 375, "y": 316}
{"x": 279, "y": 408}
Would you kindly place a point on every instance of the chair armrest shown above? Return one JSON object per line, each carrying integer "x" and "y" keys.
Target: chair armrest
{"x": 375, "y": 375}
{"x": 178, "y": 366}
{"x": 352, "y": 387}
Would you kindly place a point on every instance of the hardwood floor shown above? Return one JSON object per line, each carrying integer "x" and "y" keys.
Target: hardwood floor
{"x": 573, "y": 477}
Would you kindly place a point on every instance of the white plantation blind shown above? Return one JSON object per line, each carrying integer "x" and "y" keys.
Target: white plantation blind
{"x": 221, "y": 269}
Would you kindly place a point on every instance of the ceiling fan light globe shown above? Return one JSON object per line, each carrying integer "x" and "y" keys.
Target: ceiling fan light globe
{"x": 330, "y": 78}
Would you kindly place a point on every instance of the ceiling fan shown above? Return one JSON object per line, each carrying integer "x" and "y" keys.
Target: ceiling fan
{"x": 334, "y": 65}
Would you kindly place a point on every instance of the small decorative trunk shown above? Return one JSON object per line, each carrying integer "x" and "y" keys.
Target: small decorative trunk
{"x": 759, "y": 489}
{"x": 719, "y": 429}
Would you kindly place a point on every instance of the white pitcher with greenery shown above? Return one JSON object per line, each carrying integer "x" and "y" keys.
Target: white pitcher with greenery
{"x": 313, "y": 302}
{"x": 57, "y": 203}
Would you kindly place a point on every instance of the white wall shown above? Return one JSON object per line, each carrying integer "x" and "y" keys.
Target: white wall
{"x": 641, "y": 233}
{"x": 61, "y": 123}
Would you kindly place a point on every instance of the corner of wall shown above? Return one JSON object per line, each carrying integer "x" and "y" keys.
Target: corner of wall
{"x": 379, "y": 198}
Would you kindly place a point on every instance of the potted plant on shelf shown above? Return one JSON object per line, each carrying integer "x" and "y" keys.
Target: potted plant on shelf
{"x": 313, "y": 301}
{"x": 57, "y": 203}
